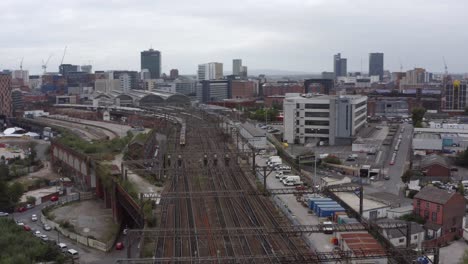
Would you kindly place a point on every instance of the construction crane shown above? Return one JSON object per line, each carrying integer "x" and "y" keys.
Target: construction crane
{"x": 445, "y": 66}
{"x": 21, "y": 64}
{"x": 63, "y": 57}
{"x": 44, "y": 64}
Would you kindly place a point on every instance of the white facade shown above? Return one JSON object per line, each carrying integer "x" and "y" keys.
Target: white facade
{"x": 35, "y": 83}
{"x": 256, "y": 138}
{"x": 125, "y": 83}
{"x": 145, "y": 74}
{"x": 21, "y": 74}
{"x": 322, "y": 117}
{"x": 210, "y": 71}
{"x": 106, "y": 85}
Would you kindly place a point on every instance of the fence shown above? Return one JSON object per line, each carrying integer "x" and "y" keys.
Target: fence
{"x": 93, "y": 243}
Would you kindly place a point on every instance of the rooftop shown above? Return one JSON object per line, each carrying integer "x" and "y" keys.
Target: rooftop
{"x": 252, "y": 130}
{"x": 352, "y": 200}
{"x": 389, "y": 198}
{"x": 396, "y": 233}
{"x": 434, "y": 194}
{"x": 434, "y": 159}
{"x": 426, "y": 136}
{"x": 360, "y": 241}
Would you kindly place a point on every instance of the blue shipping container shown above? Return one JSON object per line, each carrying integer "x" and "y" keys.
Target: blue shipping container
{"x": 313, "y": 200}
{"x": 325, "y": 206}
{"x": 328, "y": 212}
{"x": 317, "y": 204}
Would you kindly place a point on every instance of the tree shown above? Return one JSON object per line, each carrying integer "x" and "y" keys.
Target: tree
{"x": 461, "y": 189}
{"x": 15, "y": 191}
{"x": 31, "y": 199}
{"x": 332, "y": 160}
{"x": 406, "y": 177}
{"x": 32, "y": 151}
{"x": 418, "y": 114}
{"x": 4, "y": 172}
{"x": 462, "y": 158}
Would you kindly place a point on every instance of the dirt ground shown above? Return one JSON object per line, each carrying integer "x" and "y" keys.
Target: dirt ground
{"x": 44, "y": 173}
{"x": 89, "y": 218}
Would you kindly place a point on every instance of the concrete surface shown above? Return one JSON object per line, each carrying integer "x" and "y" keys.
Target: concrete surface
{"x": 90, "y": 218}
{"x": 453, "y": 253}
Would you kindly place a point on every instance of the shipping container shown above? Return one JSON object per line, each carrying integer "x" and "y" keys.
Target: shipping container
{"x": 328, "y": 212}
{"x": 317, "y": 204}
{"x": 315, "y": 199}
{"x": 338, "y": 214}
{"x": 326, "y": 207}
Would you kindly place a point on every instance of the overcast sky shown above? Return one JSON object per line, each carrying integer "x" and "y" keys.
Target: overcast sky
{"x": 296, "y": 35}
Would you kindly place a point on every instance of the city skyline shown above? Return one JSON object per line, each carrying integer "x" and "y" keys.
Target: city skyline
{"x": 287, "y": 35}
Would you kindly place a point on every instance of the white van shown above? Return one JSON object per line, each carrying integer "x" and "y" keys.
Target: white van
{"x": 73, "y": 253}
{"x": 292, "y": 180}
{"x": 62, "y": 247}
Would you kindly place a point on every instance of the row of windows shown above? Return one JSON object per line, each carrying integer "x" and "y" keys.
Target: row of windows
{"x": 359, "y": 120}
{"x": 316, "y": 131}
{"x": 361, "y": 104}
{"x": 360, "y": 112}
{"x": 317, "y": 123}
{"x": 317, "y": 114}
{"x": 317, "y": 106}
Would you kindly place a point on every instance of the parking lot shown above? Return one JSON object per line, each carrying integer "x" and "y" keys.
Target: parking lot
{"x": 297, "y": 212}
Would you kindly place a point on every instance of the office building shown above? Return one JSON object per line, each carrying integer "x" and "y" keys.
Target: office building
{"x": 210, "y": 71}
{"x": 145, "y": 74}
{"x": 125, "y": 82}
{"x": 455, "y": 95}
{"x": 174, "y": 74}
{"x": 213, "y": 91}
{"x": 243, "y": 72}
{"x": 5, "y": 95}
{"x": 64, "y": 69}
{"x": 312, "y": 118}
{"x": 151, "y": 60}
{"x": 21, "y": 75}
{"x": 35, "y": 82}
{"x": 339, "y": 65}
{"x": 87, "y": 68}
{"x": 17, "y": 100}
{"x": 376, "y": 64}
{"x": 132, "y": 75}
{"x": 236, "y": 66}
{"x": 320, "y": 85}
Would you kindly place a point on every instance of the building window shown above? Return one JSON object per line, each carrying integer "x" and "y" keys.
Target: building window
{"x": 401, "y": 240}
{"x": 419, "y": 203}
{"x": 415, "y": 237}
{"x": 297, "y": 106}
{"x": 297, "y": 130}
{"x": 316, "y": 131}
{"x": 317, "y": 114}
{"x": 438, "y": 208}
{"x": 317, "y": 123}
{"x": 434, "y": 217}
{"x": 317, "y": 106}
{"x": 427, "y": 204}
{"x": 426, "y": 214}
{"x": 297, "y": 122}
{"x": 297, "y": 113}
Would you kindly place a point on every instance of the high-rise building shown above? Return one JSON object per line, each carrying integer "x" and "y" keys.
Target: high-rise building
{"x": 210, "y": 71}
{"x": 236, "y": 66}
{"x": 64, "y": 69}
{"x": 174, "y": 73}
{"x": 151, "y": 60}
{"x": 455, "y": 95}
{"x": 145, "y": 74}
{"x": 86, "y": 68}
{"x": 125, "y": 82}
{"x": 5, "y": 95}
{"x": 340, "y": 67}
{"x": 314, "y": 118}
{"x": 243, "y": 72}
{"x": 132, "y": 74}
{"x": 376, "y": 64}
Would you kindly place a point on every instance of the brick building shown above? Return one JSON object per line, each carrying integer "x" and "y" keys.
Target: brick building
{"x": 5, "y": 95}
{"x": 435, "y": 166}
{"x": 243, "y": 89}
{"x": 443, "y": 212}
{"x": 274, "y": 100}
{"x": 281, "y": 88}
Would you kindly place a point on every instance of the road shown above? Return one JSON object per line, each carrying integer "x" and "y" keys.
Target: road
{"x": 394, "y": 185}
{"x": 87, "y": 255}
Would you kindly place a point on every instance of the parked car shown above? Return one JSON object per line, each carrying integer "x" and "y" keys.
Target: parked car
{"x": 62, "y": 247}
{"x": 119, "y": 246}
{"x": 26, "y": 228}
{"x": 46, "y": 227}
{"x": 29, "y": 206}
{"x": 386, "y": 177}
{"x": 43, "y": 237}
{"x": 4, "y": 214}
{"x": 73, "y": 253}
{"x": 34, "y": 218}
{"x": 19, "y": 222}
{"x": 37, "y": 233}
{"x": 300, "y": 187}
{"x": 22, "y": 209}
{"x": 54, "y": 198}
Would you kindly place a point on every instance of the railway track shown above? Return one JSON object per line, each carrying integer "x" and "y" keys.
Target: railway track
{"x": 210, "y": 172}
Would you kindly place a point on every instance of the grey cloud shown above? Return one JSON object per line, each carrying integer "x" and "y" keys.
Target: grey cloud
{"x": 282, "y": 34}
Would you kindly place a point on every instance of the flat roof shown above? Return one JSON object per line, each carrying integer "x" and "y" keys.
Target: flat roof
{"x": 352, "y": 201}
{"x": 440, "y": 130}
{"x": 426, "y": 136}
{"x": 360, "y": 241}
{"x": 253, "y": 131}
